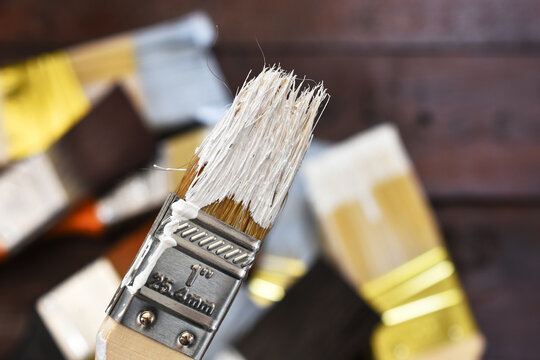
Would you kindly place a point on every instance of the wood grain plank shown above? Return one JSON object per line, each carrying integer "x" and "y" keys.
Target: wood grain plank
{"x": 368, "y": 21}
{"x": 471, "y": 124}
{"x": 496, "y": 252}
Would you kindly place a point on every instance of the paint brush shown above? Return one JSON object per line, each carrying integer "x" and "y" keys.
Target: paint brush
{"x": 167, "y": 70}
{"x": 381, "y": 233}
{"x": 203, "y": 242}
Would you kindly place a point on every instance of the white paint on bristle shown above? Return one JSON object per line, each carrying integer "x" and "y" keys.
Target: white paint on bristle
{"x": 180, "y": 211}
{"x": 252, "y": 155}
{"x": 349, "y": 171}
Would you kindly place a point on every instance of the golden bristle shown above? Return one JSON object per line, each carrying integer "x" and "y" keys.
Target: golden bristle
{"x": 227, "y": 210}
{"x": 243, "y": 169}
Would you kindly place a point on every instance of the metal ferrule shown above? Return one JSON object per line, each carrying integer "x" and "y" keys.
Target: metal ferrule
{"x": 422, "y": 308}
{"x": 191, "y": 286}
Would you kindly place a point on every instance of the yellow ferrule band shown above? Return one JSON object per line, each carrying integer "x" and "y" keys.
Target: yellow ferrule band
{"x": 422, "y": 307}
{"x": 41, "y": 99}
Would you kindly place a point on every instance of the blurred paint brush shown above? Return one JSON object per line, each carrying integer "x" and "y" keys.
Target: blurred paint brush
{"x": 139, "y": 193}
{"x": 381, "y": 233}
{"x": 207, "y": 235}
{"x": 108, "y": 143}
{"x": 167, "y": 69}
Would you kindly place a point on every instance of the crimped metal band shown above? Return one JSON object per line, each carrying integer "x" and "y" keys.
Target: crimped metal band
{"x": 191, "y": 286}
{"x": 422, "y": 307}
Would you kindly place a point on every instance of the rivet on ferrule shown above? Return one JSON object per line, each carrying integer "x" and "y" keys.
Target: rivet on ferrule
{"x": 187, "y": 287}
{"x": 145, "y": 318}
{"x": 185, "y": 339}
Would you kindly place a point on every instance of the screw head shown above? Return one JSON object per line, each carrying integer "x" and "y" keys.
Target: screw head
{"x": 186, "y": 339}
{"x": 145, "y": 318}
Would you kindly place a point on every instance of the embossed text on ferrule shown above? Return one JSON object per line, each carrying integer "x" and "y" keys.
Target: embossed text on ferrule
{"x": 191, "y": 285}
{"x": 184, "y": 295}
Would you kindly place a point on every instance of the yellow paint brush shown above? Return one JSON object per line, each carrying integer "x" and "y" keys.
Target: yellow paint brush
{"x": 381, "y": 233}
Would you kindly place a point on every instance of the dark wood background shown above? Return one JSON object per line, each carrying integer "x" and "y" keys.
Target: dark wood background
{"x": 461, "y": 79}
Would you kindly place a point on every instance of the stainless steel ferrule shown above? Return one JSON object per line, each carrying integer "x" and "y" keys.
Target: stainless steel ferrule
{"x": 191, "y": 285}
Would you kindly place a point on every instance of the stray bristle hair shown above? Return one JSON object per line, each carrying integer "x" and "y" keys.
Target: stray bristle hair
{"x": 243, "y": 169}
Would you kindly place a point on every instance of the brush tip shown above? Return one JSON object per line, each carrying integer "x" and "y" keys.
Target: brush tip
{"x": 252, "y": 155}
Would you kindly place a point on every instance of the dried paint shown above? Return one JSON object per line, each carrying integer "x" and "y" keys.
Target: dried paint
{"x": 252, "y": 155}
{"x": 180, "y": 211}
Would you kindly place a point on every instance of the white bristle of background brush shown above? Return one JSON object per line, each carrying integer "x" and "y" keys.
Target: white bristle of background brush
{"x": 178, "y": 76}
{"x": 349, "y": 171}
{"x": 253, "y": 153}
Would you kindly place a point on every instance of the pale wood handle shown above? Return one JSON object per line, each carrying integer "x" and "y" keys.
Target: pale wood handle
{"x": 117, "y": 342}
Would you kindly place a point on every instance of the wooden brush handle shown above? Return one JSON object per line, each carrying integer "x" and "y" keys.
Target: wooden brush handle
{"x": 117, "y": 342}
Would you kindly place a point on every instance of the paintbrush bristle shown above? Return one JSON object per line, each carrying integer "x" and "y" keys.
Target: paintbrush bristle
{"x": 370, "y": 204}
{"x": 243, "y": 169}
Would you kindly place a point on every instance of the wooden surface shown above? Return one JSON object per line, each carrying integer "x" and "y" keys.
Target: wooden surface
{"x": 461, "y": 79}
